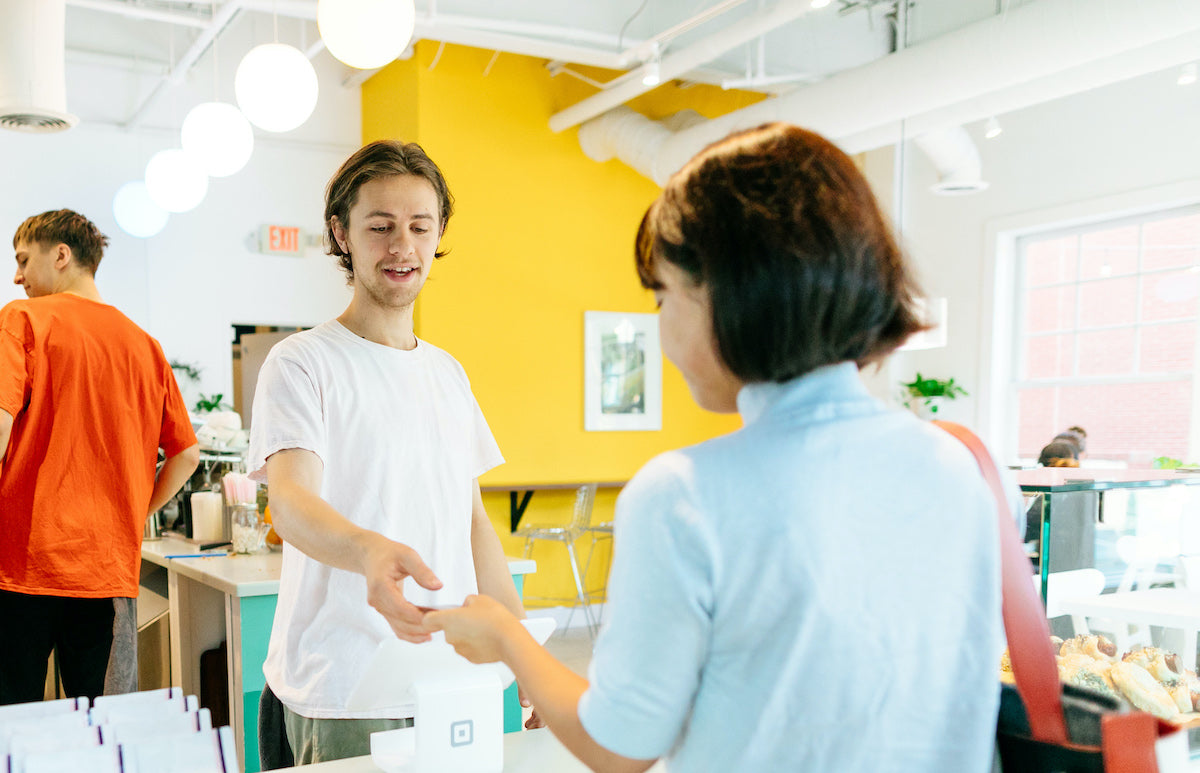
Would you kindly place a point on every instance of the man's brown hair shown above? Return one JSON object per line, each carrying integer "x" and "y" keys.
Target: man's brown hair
{"x": 384, "y": 158}
{"x": 64, "y": 226}
{"x": 800, "y": 265}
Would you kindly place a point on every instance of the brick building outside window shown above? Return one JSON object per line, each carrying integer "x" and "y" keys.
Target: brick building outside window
{"x": 1106, "y": 337}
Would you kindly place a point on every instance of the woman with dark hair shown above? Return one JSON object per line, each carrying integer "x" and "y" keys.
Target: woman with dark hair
{"x": 776, "y": 602}
{"x": 1059, "y": 453}
{"x": 1076, "y": 436}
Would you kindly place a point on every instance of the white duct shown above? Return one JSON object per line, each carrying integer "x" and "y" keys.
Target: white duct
{"x": 956, "y": 159}
{"x": 630, "y": 136}
{"x": 1026, "y": 56}
{"x": 33, "y": 83}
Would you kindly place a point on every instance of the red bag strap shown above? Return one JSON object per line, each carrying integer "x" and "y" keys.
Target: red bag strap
{"x": 1128, "y": 741}
{"x": 1029, "y": 647}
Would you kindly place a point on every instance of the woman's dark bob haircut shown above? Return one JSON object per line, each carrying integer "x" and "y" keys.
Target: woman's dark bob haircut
{"x": 800, "y": 266}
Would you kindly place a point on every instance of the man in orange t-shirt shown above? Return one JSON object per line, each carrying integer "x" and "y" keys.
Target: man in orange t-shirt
{"x": 87, "y": 399}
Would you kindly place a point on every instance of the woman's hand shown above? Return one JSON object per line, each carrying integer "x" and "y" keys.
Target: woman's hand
{"x": 479, "y": 630}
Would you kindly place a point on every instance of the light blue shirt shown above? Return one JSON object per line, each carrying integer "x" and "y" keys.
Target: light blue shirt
{"x": 818, "y": 591}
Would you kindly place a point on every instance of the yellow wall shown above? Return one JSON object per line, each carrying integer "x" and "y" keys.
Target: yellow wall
{"x": 540, "y": 234}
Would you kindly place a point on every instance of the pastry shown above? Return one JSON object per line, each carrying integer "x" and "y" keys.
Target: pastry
{"x": 1090, "y": 644}
{"x": 1143, "y": 690}
{"x": 1163, "y": 665}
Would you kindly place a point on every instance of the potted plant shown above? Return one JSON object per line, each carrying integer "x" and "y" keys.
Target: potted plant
{"x": 924, "y": 396}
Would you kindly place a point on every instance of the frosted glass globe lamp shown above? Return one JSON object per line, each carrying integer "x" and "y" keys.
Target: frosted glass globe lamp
{"x": 276, "y": 87}
{"x": 136, "y": 212}
{"x": 175, "y": 180}
{"x": 218, "y": 136}
{"x": 366, "y": 33}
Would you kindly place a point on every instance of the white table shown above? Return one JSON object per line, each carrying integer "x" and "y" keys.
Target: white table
{"x": 529, "y": 751}
{"x": 1175, "y": 609}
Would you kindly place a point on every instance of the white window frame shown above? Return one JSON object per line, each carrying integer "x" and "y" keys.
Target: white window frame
{"x": 1001, "y": 309}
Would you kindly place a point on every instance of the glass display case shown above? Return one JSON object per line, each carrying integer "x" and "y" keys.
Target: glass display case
{"x": 1130, "y": 524}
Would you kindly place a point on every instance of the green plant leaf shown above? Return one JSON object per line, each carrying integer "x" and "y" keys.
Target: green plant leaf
{"x": 933, "y": 387}
{"x": 206, "y": 404}
{"x": 192, "y": 372}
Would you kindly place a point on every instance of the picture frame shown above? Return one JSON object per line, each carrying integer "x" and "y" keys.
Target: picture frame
{"x": 622, "y": 380}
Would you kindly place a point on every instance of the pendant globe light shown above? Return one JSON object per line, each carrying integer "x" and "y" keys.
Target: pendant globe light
{"x": 218, "y": 136}
{"x": 366, "y": 33}
{"x": 136, "y": 212}
{"x": 276, "y": 87}
{"x": 175, "y": 180}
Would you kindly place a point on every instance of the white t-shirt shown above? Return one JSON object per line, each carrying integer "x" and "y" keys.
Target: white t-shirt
{"x": 401, "y": 438}
{"x": 818, "y": 591}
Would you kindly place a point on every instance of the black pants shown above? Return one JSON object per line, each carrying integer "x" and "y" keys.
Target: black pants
{"x": 80, "y": 631}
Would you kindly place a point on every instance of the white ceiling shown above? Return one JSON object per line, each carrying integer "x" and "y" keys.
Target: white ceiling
{"x": 122, "y": 54}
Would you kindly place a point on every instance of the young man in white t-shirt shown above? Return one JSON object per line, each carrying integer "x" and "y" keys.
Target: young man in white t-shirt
{"x": 371, "y": 443}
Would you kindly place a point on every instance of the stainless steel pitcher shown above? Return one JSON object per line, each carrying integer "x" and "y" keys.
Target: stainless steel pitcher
{"x": 153, "y": 528}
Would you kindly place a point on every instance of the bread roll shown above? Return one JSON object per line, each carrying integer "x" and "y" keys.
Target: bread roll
{"x": 1090, "y": 644}
{"x": 1143, "y": 690}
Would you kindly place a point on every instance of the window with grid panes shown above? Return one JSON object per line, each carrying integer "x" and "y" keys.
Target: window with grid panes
{"x": 1106, "y": 336}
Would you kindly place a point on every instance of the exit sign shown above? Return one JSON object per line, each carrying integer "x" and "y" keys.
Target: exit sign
{"x": 281, "y": 240}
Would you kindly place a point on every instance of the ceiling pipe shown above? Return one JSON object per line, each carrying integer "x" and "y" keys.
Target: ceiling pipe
{"x": 150, "y": 67}
{"x": 956, "y": 159}
{"x": 512, "y": 37}
{"x": 139, "y": 12}
{"x": 222, "y": 19}
{"x": 1130, "y": 64}
{"x": 1032, "y": 53}
{"x": 630, "y": 85}
{"x": 33, "y": 85}
{"x": 542, "y": 41}
{"x": 642, "y": 51}
{"x": 630, "y": 136}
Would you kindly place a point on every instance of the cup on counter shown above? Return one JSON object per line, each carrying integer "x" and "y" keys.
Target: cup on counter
{"x": 207, "y": 512}
{"x": 249, "y": 530}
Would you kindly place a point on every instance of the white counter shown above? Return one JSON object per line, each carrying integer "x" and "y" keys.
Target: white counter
{"x": 529, "y": 751}
{"x": 232, "y": 573}
{"x": 242, "y": 575}
{"x": 226, "y": 597}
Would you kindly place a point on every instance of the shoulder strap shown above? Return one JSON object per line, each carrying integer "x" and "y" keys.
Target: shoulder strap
{"x": 1024, "y": 615}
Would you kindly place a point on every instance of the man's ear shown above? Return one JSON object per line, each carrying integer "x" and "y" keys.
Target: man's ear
{"x": 339, "y": 233}
{"x": 62, "y": 256}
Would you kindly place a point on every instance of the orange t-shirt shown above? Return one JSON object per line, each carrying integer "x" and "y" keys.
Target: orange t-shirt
{"x": 93, "y": 399}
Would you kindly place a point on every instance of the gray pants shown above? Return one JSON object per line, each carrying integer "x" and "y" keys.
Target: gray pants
{"x": 324, "y": 740}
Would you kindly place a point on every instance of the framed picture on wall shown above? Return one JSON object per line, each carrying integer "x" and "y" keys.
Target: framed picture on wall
{"x": 622, "y": 372}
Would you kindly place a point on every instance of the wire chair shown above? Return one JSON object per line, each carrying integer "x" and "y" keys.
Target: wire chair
{"x": 585, "y": 497}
